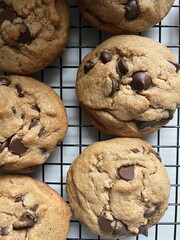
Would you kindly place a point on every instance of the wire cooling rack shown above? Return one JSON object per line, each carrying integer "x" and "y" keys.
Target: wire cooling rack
{"x": 61, "y": 76}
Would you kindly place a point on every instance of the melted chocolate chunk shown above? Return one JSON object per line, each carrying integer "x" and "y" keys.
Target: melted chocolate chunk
{"x": 25, "y": 221}
{"x": 123, "y": 69}
{"x": 141, "y": 125}
{"x": 4, "y": 144}
{"x": 33, "y": 123}
{"x": 131, "y": 10}
{"x": 35, "y": 107}
{"x": 105, "y": 225}
{"x": 35, "y": 207}
{"x": 135, "y": 150}
{"x": 115, "y": 87}
{"x": 44, "y": 153}
{"x": 7, "y": 14}
{"x": 140, "y": 81}
{"x": 25, "y": 36}
{"x": 177, "y": 65}
{"x": 21, "y": 93}
{"x": 157, "y": 155}
{"x": 148, "y": 214}
{"x": 19, "y": 198}
{"x": 120, "y": 228}
{"x": 143, "y": 230}
{"x": 3, "y": 5}
{"x": 171, "y": 114}
{"x": 5, "y": 81}
{"x": 14, "y": 110}
{"x": 106, "y": 57}
{"x": 88, "y": 66}
{"x": 17, "y": 147}
{"x": 126, "y": 173}
{"x": 4, "y": 231}
{"x": 42, "y": 132}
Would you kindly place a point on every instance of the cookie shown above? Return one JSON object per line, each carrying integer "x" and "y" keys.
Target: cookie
{"x": 32, "y": 34}
{"x": 118, "y": 187}
{"x": 32, "y": 121}
{"x": 30, "y": 209}
{"x": 129, "y": 86}
{"x": 125, "y": 15}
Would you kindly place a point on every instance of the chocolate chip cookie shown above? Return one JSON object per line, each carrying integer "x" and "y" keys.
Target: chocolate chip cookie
{"x": 32, "y": 33}
{"x": 118, "y": 187}
{"x": 129, "y": 86}
{"x": 120, "y": 16}
{"x": 32, "y": 121}
{"x": 30, "y": 209}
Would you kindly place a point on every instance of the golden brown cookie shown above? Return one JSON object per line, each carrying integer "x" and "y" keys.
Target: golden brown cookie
{"x": 32, "y": 121}
{"x": 129, "y": 86}
{"x": 118, "y": 187}
{"x": 31, "y": 210}
{"x": 32, "y": 33}
{"x": 120, "y": 16}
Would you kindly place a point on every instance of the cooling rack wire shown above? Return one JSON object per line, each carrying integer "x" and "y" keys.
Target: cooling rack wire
{"x": 61, "y": 76}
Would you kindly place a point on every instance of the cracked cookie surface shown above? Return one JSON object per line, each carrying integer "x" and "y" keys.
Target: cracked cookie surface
{"x": 31, "y": 210}
{"x": 129, "y": 86}
{"x": 32, "y": 33}
{"x": 32, "y": 122}
{"x": 118, "y": 187}
{"x": 120, "y": 16}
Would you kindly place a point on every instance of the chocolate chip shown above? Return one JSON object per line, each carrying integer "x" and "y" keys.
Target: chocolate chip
{"x": 148, "y": 214}
{"x": 5, "y": 81}
{"x": 35, "y": 107}
{"x": 88, "y": 66}
{"x": 122, "y": 67}
{"x": 44, "y": 153}
{"x": 120, "y": 228}
{"x": 35, "y": 207}
{"x": 126, "y": 173}
{"x": 135, "y": 150}
{"x": 171, "y": 114}
{"x": 177, "y": 65}
{"x": 22, "y": 115}
{"x": 115, "y": 86}
{"x": 26, "y": 217}
{"x": 13, "y": 109}
{"x": 105, "y": 225}
{"x": 33, "y": 123}
{"x": 140, "y": 81}
{"x": 5, "y": 231}
{"x": 7, "y": 14}
{"x": 42, "y": 132}
{"x": 19, "y": 198}
{"x": 157, "y": 155}
{"x": 158, "y": 204}
{"x": 106, "y": 57}
{"x": 17, "y": 147}
{"x": 132, "y": 10}
{"x": 143, "y": 230}
{"x": 25, "y": 221}
{"x": 3, "y": 5}
{"x": 21, "y": 93}
{"x": 25, "y": 36}
{"x": 4, "y": 144}
{"x": 141, "y": 125}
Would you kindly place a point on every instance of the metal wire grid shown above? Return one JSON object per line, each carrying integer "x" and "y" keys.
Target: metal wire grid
{"x": 61, "y": 76}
